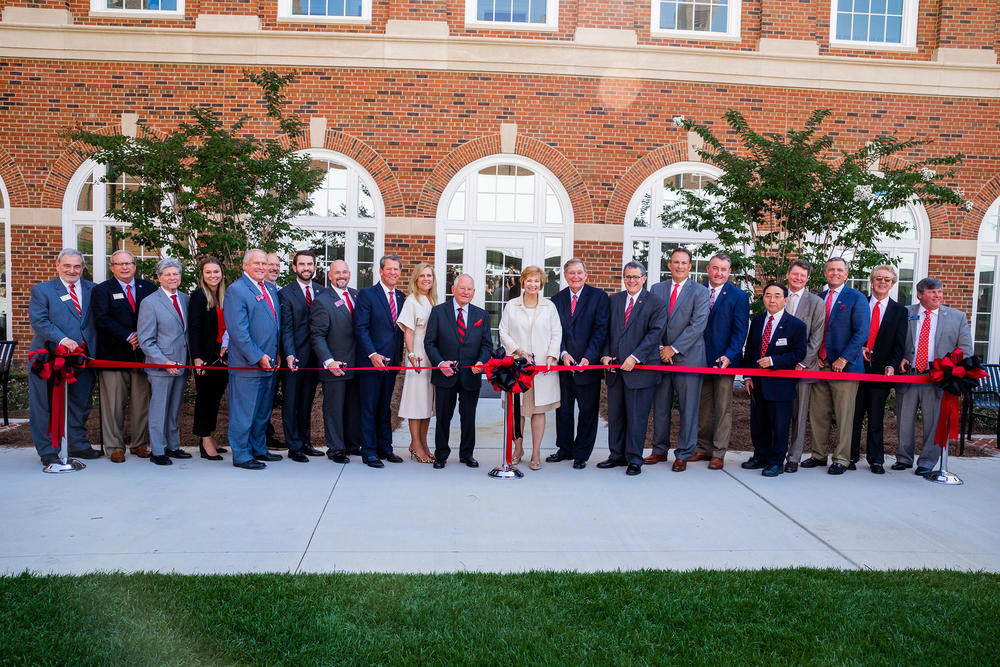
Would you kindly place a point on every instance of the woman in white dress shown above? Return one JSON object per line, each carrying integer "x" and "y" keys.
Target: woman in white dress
{"x": 529, "y": 327}
{"x": 417, "y": 401}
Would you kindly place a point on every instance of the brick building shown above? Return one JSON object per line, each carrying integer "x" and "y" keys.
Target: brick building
{"x": 492, "y": 134}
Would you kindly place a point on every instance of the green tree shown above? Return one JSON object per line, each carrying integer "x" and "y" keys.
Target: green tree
{"x": 783, "y": 197}
{"x": 207, "y": 189}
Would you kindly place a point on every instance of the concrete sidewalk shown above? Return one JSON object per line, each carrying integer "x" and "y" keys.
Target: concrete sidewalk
{"x": 201, "y": 516}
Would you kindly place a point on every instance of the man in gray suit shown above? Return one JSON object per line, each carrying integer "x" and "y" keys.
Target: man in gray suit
{"x": 682, "y": 344}
{"x": 59, "y": 312}
{"x": 934, "y": 331}
{"x": 162, "y": 330}
{"x": 809, "y": 308}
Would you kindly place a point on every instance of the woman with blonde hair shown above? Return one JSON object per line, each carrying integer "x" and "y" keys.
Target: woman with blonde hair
{"x": 206, "y": 327}
{"x": 417, "y": 401}
{"x": 529, "y": 327}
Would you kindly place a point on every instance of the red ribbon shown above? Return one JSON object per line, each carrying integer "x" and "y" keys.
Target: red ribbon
{"x": 58, "y": 367}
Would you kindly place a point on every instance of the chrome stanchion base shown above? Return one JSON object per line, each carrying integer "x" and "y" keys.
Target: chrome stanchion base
{"x": 506, "y": 472}
{"x": 65, "y": 465}
{"x": 944, "y": 477}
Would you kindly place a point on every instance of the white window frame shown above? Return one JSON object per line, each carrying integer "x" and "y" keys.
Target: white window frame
{"x": 908, "y": 36}
{"x": 285, "y": 15}
{"x": 733, "y": 25}
{"x": 551, "y": 19}
{"x": 989, "y": 248}
{"x": 99, "y": 7}
{"x": 5, "y": 221}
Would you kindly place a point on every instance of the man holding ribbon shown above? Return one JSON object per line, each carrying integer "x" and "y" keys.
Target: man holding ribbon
{"x": 933, "y": 331}
{"x": 808, "y": 307}
{"x": 344, "y": 297}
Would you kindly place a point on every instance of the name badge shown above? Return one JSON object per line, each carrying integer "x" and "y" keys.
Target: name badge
{"x": 339, "y": 303}
{"x": 117, "y": 295}
{"x": 260, "y": 297}
{"x": 781, "y": 342}
{"x": 65, "y": 297}
{"x": 913, "y": 318}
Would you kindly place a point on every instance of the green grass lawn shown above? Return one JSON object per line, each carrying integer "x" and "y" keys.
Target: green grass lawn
{"x": 786, "y": 616}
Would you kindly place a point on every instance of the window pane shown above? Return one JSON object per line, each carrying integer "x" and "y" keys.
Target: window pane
{"x": 538, "y": 11}
{"x": 553, "y": 212}
{"x": 894, "y": 29}
{"x": 642, "y": 214}
{"x": 876, "y": 29}
{"x": 353, "y": 8}
{"x": 859, "y": 30}
{"x": 454, "y": 260}
{"x": 519, "y": 11}
{"x": 861, "y": 6}
{"x": 640, "y": 252}
{"x": 895, "y": 7}
{"x": 668, "y": 11}
{"x": 878, "y": 6}
{"x": 335, "y": 8}
{"x": 317, "y": 7}
{"x": 85, "y": 244}
{"x": 86, "y": 199}
{"x": 843, "y": 26}
{"x": 720, "y": 17}
{"x": 366, "y": 259}
{"x": 553, "y": 265}
{"x": 366, "y": 206}
{"x": 456, "y": 210}
{"x": 844, "y": 5}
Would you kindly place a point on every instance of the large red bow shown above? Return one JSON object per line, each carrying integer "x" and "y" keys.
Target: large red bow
{"x": 58, "y": 366}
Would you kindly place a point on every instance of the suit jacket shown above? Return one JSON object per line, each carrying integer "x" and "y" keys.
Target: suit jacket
{"x": 786, "y": 348}
{"x": 441, "y": 343}
{"x": 890, "y": 340}
{"x": 952, "y": 332}
{"x": 53, "y": 316}
{"x": 847, "y": 330}
{"x": 684, "y": 328}
{"x": 295, "y": 333}
{"x": 203, "y": 328}
{"x": 583, "y": 332}
{"x": 640, "y": 338}
{"x": 374, "y": 329}
{"x": 812, "y": 311}
{"x": 726, "y": 327}
{"x": 116, "y": 320}
{"x": 331, "y": 331}
{"x": 253, "y": 329}
{"x": 162, "y": 334}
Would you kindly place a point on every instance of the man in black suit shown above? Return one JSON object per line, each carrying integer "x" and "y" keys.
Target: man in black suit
{"x": 296, "y": 299}
{"x": 458, "y": 341}
{"x": 331, "y": 323}
{"x": 583, "y": 313}
{"x": 777, "y": 341}
{"x": 115, "y": 304}
{"x": 340, "y": 278}
{"x": 635, "y": 325}
{"x": 882, "y": 353}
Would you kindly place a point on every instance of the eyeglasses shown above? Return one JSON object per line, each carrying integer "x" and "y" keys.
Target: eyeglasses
{"x": 633, "y": 277}
{"x": 122, "y": 263}
{"x": 881, "y": 279}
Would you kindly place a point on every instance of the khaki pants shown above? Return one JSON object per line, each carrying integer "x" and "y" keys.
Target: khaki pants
{"x": 800, "y": 415}
{"x": 715, "y": 418}
{"x": 831, "y": 397}
{"x": 117, "y": 388}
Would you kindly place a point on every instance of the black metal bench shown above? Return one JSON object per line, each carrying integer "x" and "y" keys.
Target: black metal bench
{"x": 6, "y": 357}
{"x": 984, "y": 401}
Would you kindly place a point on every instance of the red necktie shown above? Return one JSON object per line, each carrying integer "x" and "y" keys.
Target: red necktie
{"x": 461, "y": 327}
{"x": 267, "y": 297}
{"x": 347, "y": 300}
{"x": 826, "y": 324}
{"x": 923, "y": 343}
{"x": 177, "y": 308}
{"x": 628, "y": 310}
{"x": 673, "y": 298}
{"x": 873, "y": 330}
{"x": 392, "y": 306}
{"x": 572, "y": 306}
{"x": 309, "y": 298}
{"x": 766, "y": 337}
{"x": 76, "y": 301}
{"x": 131, "y": 300}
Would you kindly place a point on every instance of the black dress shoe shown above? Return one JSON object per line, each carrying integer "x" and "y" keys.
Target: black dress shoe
{"x": 557, "y": 457}
{"x": 438, "y": 464}
{"x": 852, "y": 466}
{"x": 274, "y": 443}
{"x": 373, "y": 462}
{"x": 391, "y": 458}
{"x": 923, "y": 472}
{"x": 268, "y": 456}
{"x": 837, "y": 469}
{"x": 339, "y": 457}
{"x": 178, "y": 454}
{"x": 88, "y": 453}
{"x": 899, "y": 466}
{"x": 812, "y": 462}
{"x": 471, "y": 462}
{"x": 611, "y": 463}
{"x": 252, "y": 464}
{"x": 311, "y": 451}
{"x": 753, "y": 463}
{"x": 354, "y": 451}
{"x": 579, "y": 464}
{"x": 633, "y": 469}
{"x": 772, "y": 470}
{"x": 877, "y": 468}
{"x": 791, "y": 466}
{"x": 161, "y": 460}
{"x": 298, "y": 457}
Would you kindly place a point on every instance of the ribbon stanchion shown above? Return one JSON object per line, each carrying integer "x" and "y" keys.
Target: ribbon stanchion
{"x": 955, "y": 374}
{"x": 57, "y": 366}
{"x": 512, "y": 377}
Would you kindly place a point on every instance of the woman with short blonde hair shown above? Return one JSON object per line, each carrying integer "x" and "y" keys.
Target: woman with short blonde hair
{"x": 417, "y": 401}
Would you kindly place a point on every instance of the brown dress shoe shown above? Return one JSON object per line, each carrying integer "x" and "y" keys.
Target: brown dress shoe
{"x": 679, "y": 465}
{"x": 654, "y": 458}
{"x": 118, "y": 456}
{"x": 142, "y": 451}
{"x": 716, "y": 463}
{"x": 697, "y": 456}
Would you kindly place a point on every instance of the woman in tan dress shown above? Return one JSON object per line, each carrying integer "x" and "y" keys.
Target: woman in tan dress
{"x": 417, "y": 401}
{"x": 529, "y": 327}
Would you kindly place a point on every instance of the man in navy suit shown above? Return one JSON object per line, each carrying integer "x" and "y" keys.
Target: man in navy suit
{"x": 635, "y": 326}
{"x": 725, "y": 333}
{"x": 458, "y": 342}
{"x": 253, "y": 320}
{"x": 846, "y": 326}
{"x": 116, "y": 304}
{"x": 296, "y": 299}
{"x": 777, "y": 341}
{"x": 379, "y": 344}
{"x": 60, "y": 314}
{"x": 583, "y": 314}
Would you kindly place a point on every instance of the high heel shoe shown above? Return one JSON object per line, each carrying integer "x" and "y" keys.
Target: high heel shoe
{"x": 535, "y": 465}
{"x": 205, "y": 455}
{"x": 515, "y": 458}
{"x": 418, "y": 458}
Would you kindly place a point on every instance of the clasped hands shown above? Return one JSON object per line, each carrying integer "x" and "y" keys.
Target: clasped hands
{"x": 626, "y": 366}
{"x": 449, "y": 368}
{"x": 568, "y": 360}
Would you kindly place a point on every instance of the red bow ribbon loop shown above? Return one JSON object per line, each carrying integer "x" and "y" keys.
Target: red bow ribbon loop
{"x": 59, "y": 367}
{"x": 955, "y": 374}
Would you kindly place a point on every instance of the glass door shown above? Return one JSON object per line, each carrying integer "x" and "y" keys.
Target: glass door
{"x": 498, "y": 274}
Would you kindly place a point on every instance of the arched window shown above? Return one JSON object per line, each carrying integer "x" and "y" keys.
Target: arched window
{"x": 648, "y": 238}
{"x": 498, "y": 215}
{"x": 985, "y": 334}
{"x": 910, "y": 251}
{"x": 347, "y": 218}
{"x": 5, "y": 309}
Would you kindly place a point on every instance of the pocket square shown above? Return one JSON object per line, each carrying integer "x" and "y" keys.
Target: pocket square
{"x": 260, "y": 297}
{"x": 478, "y": 322}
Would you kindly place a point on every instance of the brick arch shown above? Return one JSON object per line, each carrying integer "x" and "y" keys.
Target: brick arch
{"x": 17, "y": 189}
{"x": 981, "y": 203}
{"x": 539, "y": 151}
{"x": 372, "y": 162}
{"x": 642, "y": 169}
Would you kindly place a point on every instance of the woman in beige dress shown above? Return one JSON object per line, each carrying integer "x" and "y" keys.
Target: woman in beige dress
{"x": 417, "y": 401}
{"x": 529, "y": 327}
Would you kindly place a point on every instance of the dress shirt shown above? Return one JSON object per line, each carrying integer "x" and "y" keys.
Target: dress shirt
{"x": 930, "y": 341}
{"x": 774, "y": 324}
{"x": 836, "y": 295}
{"x": 882, "y": 305}
{"x": 79, "y": 295}
{"x": 134, "y": 295}
{"x": 303, "y": 286}
{"x": 571, "y": 295}
{"x": 795, "y": 298}
{"x": 680, "y": 288}
{"x": 256, "y": 283}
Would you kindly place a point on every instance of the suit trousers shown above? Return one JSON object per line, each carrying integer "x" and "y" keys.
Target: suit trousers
{"x": 908, "y": 398}
{"x": 352, "y": 415}
{"x": 251, "y": 399}
{"x": 334, "y": 415}
{"x": 871, "y": 402}
{"x": 588, "y": 399}
{"x": 444, "y": 409}
{"x": 376, "y": 412}
{"x": 800, "y": 417}
{"x": 209, "y": 390}
{"x": 769, "y": 426}
{"x": 829, "y": 398}
{"x": 687, "y": 387}
{"x": 117, "y": 389}
{"x": 167, "y": 392}
{"x": 296, "y": 406}
{"x": 715, "y": 416}
{"x": 628, "y": 420}
{"x": 77, "y": 412}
